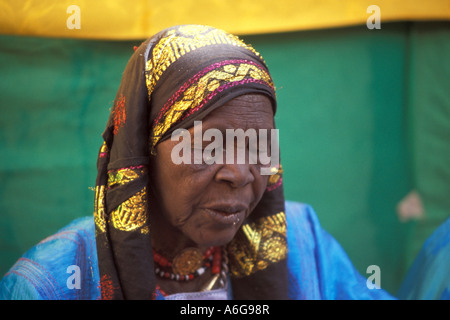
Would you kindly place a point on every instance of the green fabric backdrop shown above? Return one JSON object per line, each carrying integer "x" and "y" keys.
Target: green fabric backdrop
{"x": 364, "y": 118}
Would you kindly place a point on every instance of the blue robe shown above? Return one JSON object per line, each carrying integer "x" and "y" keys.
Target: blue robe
{"x": 318, "y": 266}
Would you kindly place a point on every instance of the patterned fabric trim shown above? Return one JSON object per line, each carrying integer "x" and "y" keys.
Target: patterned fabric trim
{"x": 256, "y": 245}
{"x": 204, "y": 86}
{"x": 181, "y": 41}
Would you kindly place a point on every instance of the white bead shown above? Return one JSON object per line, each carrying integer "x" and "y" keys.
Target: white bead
{"x": 201, "y": 271}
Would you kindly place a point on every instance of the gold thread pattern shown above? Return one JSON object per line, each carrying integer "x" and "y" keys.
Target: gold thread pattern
{"x": 104, "y": 152}
{"x": 104, "y": 148}
{"x": 122, "y": 176}
{"x": 99, "y": 208}
{"x": 274, "y": 178}
{"x": 178, "y": 42}
{"x": 195, "y": 95}
{"x": 132, "y": 213}
{"x": 257, "y": 245}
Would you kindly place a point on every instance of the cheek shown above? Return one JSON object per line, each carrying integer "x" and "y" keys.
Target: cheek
{"x": 260, "y": 184}
{"x": 172, "y": 194}
{"x": 180, "y": 189}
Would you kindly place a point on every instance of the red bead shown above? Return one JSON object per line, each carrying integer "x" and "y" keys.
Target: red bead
{"x": 217, "y": 258}
{"x": 164, "y": 262}
{"x": 207, "y": 254}
{"x": 215, "y": 269}
{"x": 159, "y": 259}
{"x": 191, "y": 276}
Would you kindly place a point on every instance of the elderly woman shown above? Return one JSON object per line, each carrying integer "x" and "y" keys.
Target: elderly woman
{"x": 191, "y": 229}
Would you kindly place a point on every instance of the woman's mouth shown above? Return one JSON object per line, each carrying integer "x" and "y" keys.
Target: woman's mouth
{"x": 226, "y": 214}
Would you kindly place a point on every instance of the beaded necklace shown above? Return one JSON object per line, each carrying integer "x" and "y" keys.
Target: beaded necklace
{"x": 188, "y": 264}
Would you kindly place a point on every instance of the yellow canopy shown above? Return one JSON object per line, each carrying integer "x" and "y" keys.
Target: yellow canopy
{"x": 139, "y": 19}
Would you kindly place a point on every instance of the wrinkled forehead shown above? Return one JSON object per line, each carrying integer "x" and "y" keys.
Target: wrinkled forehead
{"x": 244, "y": 112}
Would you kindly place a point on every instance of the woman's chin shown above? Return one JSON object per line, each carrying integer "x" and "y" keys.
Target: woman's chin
{"x": 215, "y": 238}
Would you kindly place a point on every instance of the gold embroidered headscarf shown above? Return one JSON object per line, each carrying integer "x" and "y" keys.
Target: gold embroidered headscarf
{"x": 178, "y": 76}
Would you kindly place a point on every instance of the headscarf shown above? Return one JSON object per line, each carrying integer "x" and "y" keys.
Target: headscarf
{"x": 177, "y": 76}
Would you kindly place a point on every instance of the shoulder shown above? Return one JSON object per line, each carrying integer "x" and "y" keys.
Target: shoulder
{"x": 303, "y": 224}
{"x": 319, "y": 267}
{"x": 428, "y": 277}
{"x": 297, "y": 212}
{"x": 45, "y": 271}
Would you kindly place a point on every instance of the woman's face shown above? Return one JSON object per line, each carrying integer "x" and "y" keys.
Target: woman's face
{"x": 207, "y": 203}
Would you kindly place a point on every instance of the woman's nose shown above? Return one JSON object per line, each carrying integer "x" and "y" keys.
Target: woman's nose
{"x": 237, "y": 175}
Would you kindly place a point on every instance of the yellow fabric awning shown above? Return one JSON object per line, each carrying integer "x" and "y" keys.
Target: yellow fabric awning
{"x": 139, "y": 19}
